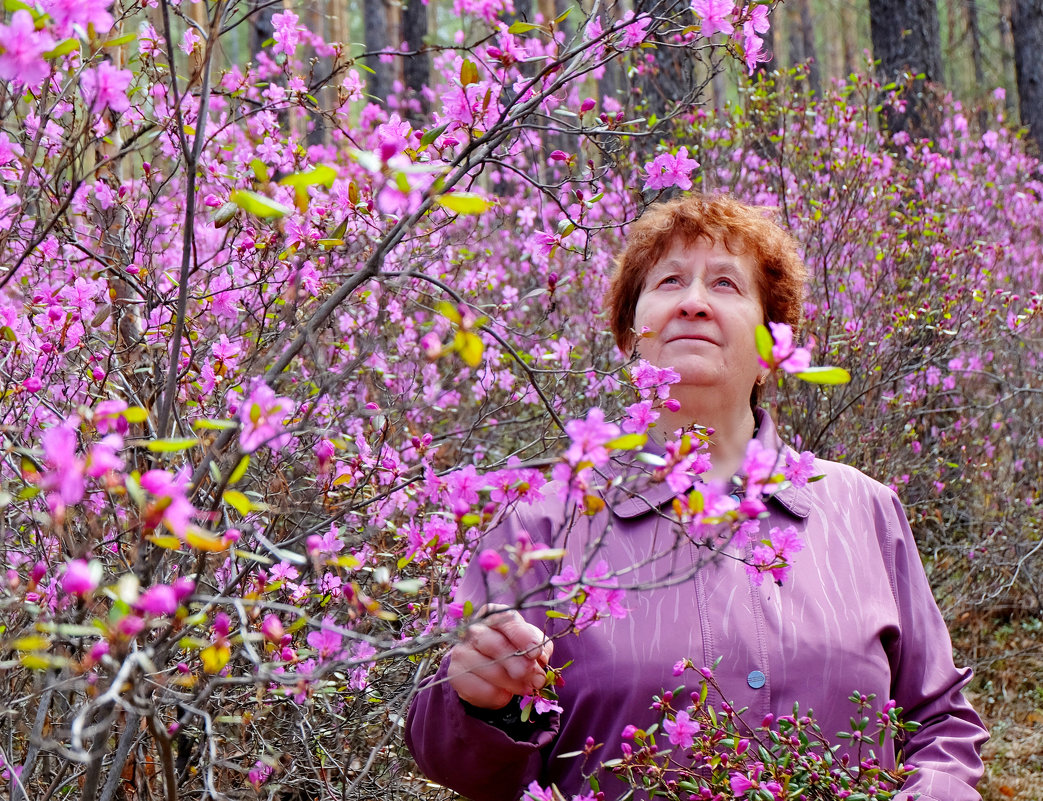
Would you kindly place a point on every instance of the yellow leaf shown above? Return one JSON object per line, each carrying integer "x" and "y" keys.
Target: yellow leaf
{"x": 258, "y": 205}
{"x": 237, "y": 500}
{"x": 31, "y": 642}
{"x": 215, "y": 657}
{"x": 470, "y": 347}
{"x": 204, "y": 540}
{"x": 464, "y": 203}
{"x": 240, "y": 469}
{"x": 167, "y": 541}
{"x": 35, "y": 661}
{"x": 171, "y": 445}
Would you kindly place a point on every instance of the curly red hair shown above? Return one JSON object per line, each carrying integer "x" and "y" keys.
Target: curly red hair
{"x": 721, "y": 219}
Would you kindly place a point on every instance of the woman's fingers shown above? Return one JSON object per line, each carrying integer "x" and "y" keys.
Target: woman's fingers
{"x": 501, "y": 658}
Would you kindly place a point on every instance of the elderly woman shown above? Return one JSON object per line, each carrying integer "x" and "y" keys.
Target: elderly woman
{"x": 855, "y": 614}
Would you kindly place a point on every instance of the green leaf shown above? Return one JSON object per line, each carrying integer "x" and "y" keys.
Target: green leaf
{"x": 627, "y": 442}
{"x": 319, "y": 174}
{"x": 225, "y": 214}
{"x": 63, "y": 49}
{"x": 120, "y": 40}
{"x": 468, "y": 73}
{"x": 562, "y": 17}
{"x": 259, "y": 205}
{"x": 18, "y": 5}
{"x": 825, "y": 375}
{"x": 521, "y": 27}
{"x": 8, "y": 334}
{"x": 171, "y": 445}
{"x": 431, "y": 135}
{"x": 765, "y": 342}
{"x": 260, "y": 170}
{"x": 237, "y": 500}
{"x": 213, "y": 425}
{"x": 135, "y": 414}
{"x": 464, "y": 203}
{"x": 240, "y": 469}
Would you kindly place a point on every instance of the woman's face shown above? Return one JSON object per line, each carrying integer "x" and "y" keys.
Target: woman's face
{"x": 700, "y": 307}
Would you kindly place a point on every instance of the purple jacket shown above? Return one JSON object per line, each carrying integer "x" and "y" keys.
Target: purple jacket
{"x": 855, "y": 614}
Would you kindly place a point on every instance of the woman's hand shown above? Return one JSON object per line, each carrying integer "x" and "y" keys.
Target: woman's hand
{"x": 503, "y": 657}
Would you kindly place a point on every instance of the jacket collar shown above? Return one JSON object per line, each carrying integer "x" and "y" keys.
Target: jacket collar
{"x": 640, "y": 496}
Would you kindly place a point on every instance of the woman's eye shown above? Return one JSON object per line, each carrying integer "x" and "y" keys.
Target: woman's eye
{"x": 670, "y": 279}
{"x": 725, "y": 282}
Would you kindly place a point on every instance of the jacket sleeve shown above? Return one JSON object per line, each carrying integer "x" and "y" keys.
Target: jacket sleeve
{"x": 945, "y": 750}
{"x": 457, "y": 749}
{"x": 471, "y": 756}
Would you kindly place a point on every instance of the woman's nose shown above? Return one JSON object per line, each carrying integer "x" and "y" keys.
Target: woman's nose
{"x": 694, "y": 302}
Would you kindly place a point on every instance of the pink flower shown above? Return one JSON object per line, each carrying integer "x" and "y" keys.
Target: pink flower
{"x": 784, "y": 353}
{"x": 105, "y": 87}
{"x": 634, "y": 33}
{"x": 21, "y": 61}
{"x": 667, "y": 170}
{"x": 489, "y": 560}
{"x": 682, "y": 730}
{"x": 63, "y": 480}
{"x": 172, "y": 508}
{"x": 67, "y": 13}
{"x": 81, "y": 577}
{"x": 328, "y": 643}
{"x": 159, "y": 600}
{"x": 262, "y": 416}
{"x": 741, "y": 784}
{"x": 798, "y": 470}
{"x": 714, "y": 15}
{"x": 589, "y": 437}
{"x": 537, "y": 793}
{"x": 287, "y": 36}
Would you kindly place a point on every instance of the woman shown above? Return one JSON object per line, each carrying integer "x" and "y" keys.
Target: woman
{"x": 855, "y": 614}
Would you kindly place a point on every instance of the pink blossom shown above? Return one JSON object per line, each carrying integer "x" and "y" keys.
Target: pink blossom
{"x": 682, "y": 729}
{"x": 262, "y": 416}
{"x": 714, "y": 14}
{"x": 784, "y": 353}
{"x": 667, "y": 170}
{"x": 159, "y": 600}
{"x": 21, "y": 61}
{"x": 328, "y": 643}
{"x": 759, "y": 467}
{"x": 287, "y": 35}
{"x": 740, "y": 784}
{"x": 172, "y": 509}
{"x": 589, "y": 437}
{"x": 81, "y": 577}
{"x": 489, "y": 560}
{"x": 68, "y": 13}
{"x": 63, "y": 479}
{"x": 105, "y": 87}
{"x": 537, "y": 793}
{"x": 800, "y": 468}
{"x": 639, "y": 417}
{"x": 635, "y": 33}
{"x": 103, "y": 456}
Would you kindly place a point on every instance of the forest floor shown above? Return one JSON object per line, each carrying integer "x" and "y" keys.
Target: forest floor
{"x": 1007, "y": 656}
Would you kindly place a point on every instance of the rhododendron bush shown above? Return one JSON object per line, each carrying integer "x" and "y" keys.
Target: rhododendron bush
{"x": 272, "y": 357}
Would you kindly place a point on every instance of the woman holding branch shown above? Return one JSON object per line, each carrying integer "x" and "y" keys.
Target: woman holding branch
{"x": 853, "y": 613}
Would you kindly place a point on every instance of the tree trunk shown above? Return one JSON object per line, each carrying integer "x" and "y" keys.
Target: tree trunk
{"x": 807, "y": 35}
{"x": 416, "y": 68}
{"x": 906, "y": 38}
{"x": 375, "y": 19}
{"x": 1026, "y": 24}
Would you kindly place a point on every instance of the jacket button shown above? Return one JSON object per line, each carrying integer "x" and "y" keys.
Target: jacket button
{"x": 755, "y": 679}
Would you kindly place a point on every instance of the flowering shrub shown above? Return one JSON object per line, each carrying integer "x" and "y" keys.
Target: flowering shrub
{"x": 705, "y": 750}
{"x": 274, "y": 357}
